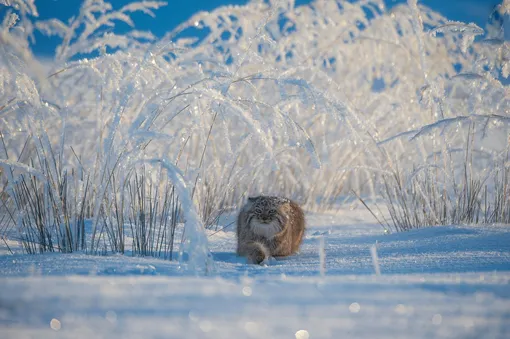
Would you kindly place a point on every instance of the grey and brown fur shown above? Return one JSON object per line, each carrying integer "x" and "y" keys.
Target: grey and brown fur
{"x": 269, "y": 226}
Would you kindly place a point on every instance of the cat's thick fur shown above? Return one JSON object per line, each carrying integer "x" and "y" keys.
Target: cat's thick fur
{"x": 269, "y": 226}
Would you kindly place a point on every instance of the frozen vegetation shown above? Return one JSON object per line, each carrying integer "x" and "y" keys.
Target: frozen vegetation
{"x": 131, "y": 146}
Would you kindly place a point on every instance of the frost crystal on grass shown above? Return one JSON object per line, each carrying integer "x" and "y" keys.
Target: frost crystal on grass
{"x": 468, "y": 32}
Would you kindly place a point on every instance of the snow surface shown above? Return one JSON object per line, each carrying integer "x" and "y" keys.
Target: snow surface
{"x": 440, "y": 282}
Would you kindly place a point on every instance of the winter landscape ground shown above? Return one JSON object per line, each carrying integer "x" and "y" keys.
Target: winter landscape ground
{"x": 441, "y": 282}
{"x": 125, "y": 158}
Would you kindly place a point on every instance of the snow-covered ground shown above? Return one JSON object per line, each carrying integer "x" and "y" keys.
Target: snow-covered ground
{"x": 441, "y": 282}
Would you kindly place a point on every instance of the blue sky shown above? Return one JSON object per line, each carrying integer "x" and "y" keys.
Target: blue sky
{"x": 178, "y": 11}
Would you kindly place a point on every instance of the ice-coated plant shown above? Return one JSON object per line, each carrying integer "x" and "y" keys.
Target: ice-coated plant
{"x": 101, "y": 147}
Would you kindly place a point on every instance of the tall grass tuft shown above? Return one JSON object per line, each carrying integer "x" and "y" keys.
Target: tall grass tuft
{"x": 153, "y": 216}
{"x": 425, "y": 200}
{"x": 54, "y": 211}
{"x": 456, "y": 186}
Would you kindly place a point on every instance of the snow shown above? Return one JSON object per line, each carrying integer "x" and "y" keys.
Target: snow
{"x": 438, "y": 282}
{"x": 378, "y": 91}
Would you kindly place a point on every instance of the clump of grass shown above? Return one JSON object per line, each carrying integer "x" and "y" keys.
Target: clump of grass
{"x": 425, "y": 202}
{"x": 440, "y": 195}
{"x": 52, "y": 206}
{"x": 152, "y": 217}
{"x": 48, "y": 200}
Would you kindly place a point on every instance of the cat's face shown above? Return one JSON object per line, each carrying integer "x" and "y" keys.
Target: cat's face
{"x": 265, "y": 214}
{"x": 264, "y": 219}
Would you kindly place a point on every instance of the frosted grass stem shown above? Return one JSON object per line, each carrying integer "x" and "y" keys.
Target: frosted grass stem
{"x": 375, "y": 259}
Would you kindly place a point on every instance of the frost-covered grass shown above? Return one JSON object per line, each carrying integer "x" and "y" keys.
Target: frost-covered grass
{"x": 139, "y": 133}
{"x": 438, "y": 193}
{"x": 428, "y": 200}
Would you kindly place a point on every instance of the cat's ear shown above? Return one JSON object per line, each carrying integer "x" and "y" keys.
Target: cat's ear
{"x": 252, "y": 199}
